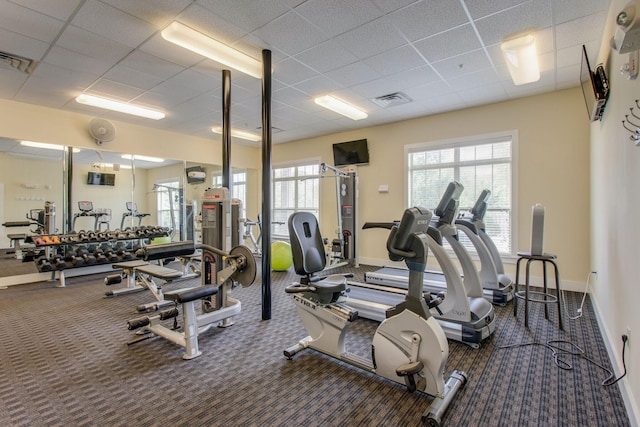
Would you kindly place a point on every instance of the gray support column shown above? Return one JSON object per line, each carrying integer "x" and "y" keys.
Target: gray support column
{"x": 266, "y": 184}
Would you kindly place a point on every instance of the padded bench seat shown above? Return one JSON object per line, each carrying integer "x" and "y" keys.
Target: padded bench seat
{"x": 163, "y": 273}
{"x": 130, "y": 264}
{"x": 191, "y": 294}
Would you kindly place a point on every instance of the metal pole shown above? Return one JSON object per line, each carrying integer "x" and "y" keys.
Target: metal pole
{"x": 266, "y": 184}
{"x": 68, "y": 214}
{"x": 226, "y": 130}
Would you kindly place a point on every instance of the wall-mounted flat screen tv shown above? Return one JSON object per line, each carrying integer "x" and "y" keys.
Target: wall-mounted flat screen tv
{"x": 595, "y": 87}
{"x": 351, "y": 153}
{"x": 96, "y": 178}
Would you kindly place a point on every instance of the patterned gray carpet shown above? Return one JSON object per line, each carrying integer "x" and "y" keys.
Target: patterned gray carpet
{"x": 64, "y": 361}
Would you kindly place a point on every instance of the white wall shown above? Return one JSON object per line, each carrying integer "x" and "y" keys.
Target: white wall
{"x": 615, "y": 203}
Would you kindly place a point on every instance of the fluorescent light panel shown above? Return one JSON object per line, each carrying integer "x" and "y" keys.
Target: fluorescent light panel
{"x": 143, "y": 158}
{"x": 340, "y": 107}
{"x": 121, "y": 107}
{"x": 238, "y": 134}
{"x": 35, "y": 144}
{"x": 204, "y": 45}
{"x": 522, "y": 59}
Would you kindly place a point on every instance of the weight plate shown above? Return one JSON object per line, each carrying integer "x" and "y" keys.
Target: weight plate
{"x": 247, "y": 273}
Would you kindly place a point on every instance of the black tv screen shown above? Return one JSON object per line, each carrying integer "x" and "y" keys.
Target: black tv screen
{"x": 96, "y": 178}
{"x": 594, "y": 88}
{"x": 351, "y": 153}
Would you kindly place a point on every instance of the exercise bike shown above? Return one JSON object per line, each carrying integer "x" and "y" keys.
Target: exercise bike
{"x": 409, "y": 347}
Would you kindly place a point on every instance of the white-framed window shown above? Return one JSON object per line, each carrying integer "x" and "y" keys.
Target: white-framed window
{"x": 239, "y": 187}
{"x": 478, "y": 163}
{"x": 296, "y": 188}
{"x": 168, "y": 195}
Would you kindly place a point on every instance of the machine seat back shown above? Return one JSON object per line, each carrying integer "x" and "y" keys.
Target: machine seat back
{"x": 307, "y": 247}
{"x": 309, "y": 258}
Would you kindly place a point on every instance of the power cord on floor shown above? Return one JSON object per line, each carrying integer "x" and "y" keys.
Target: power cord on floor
{"x": 584, "y": 296}
{"x": 557, "y": 350}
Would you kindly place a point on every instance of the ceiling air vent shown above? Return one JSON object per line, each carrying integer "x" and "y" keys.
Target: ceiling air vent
{"x": 392, "y": 99}
{"x": 9, "y": 60}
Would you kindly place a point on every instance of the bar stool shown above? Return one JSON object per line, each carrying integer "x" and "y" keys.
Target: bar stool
{"x": 533, "y": 296}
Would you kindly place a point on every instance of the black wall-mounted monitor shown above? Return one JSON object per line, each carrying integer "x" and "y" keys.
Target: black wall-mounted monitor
{"x": 351, "y": 153}
{"x": 96, "y": 178}
{"x": 595, "y": 87}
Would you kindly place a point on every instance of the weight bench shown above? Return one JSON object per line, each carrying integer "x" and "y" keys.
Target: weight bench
{"x": 187, "y": 339}
{"x": 129, "y": 273}
{"x": 239, "y": 268}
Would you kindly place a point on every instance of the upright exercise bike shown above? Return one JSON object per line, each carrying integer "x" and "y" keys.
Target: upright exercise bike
{"x": 409, "y": 347}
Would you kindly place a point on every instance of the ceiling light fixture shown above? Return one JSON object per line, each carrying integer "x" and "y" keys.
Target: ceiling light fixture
{"x": 35, "y": 144}
{"x": 340, "y": 107}
{"x": 238, "y": 134}
{"x": 142, "y": 158}
{"x": 121, "y": 107}
{"x": 204, "y": 45}
{"x": 522, "y": 59}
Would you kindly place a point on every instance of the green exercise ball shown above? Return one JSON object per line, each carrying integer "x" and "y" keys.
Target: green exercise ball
{"x": 281, "y": 256}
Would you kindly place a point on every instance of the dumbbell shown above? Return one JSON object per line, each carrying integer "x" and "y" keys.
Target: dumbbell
{"x": 39, "y": 241}
{"x": 58, "y": 262}
{"x": 86, "y": 256}
{"x": 43, "y": 264}
{"x": 72, "y": 260}
{"x": 100, "y": 257}
{"x": 55, "y": 240}
{"x": 111, "y": 255}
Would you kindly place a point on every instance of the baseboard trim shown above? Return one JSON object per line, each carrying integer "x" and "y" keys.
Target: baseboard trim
{"x": 613, "y": 345}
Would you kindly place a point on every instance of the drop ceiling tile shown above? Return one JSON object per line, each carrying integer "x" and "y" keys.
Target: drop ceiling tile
{"x": 390, "y": 5}
{"x": 579, "y": 31}
{"x": 317, "y": 86}
{"x": 481, "y": 78}
{"x": 438, "y": 89}
{"x": 395, "y": 60}
{"x": 24, "y": 46}
{"x": 530, "y": 16}
{"x": 291, "y": 33}
{"x": 353, "y": 74}
{"x": 111, "y": 89}
{"x": 28, "y": 22}
{"x": 93, "y": 45}
{"x": 131, "y": 77}
{"x": 568, "y": 10}
{"x": 569, "y": 56}
{"x": 470, "y": 62}
{"x": 247, "y": 14}
{"x": 157, "y": 12}
{"x": 39, "y": 90}
{"x": 207, "y": 22}
{"x": 113, "y": 24}
{"x": 337, "y": 16}
{"x": 326, "y": 56}
{"x": 371, "y": 38}
{"x": 488, "y": 93}
{"x": 291, "y": 71}
{"x": 59, "y": 9}
{"x": 152, "y": 65}
{"x": 65, "y": 58}
{"x": 10, "y": 81}
{"x": 428, "y": 17}
{"x": 63, "y": 76}
{"x": 449, "y": 43}
{"x": 478, "y": 9}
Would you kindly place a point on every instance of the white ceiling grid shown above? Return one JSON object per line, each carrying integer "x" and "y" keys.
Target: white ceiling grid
{"x": 444, "y": 55}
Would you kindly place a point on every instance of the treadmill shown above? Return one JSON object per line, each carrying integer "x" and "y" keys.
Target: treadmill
{"x": 464, "y": 316}
{"x": 497, "y": 287}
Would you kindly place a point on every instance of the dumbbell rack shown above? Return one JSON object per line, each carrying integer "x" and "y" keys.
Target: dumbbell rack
{"x": 54, "y": 262}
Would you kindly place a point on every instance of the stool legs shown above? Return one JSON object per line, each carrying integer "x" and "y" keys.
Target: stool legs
{"x": 547, "y": 298}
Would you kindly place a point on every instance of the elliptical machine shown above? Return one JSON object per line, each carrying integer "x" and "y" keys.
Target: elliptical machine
{"x": 409, "y": 347}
